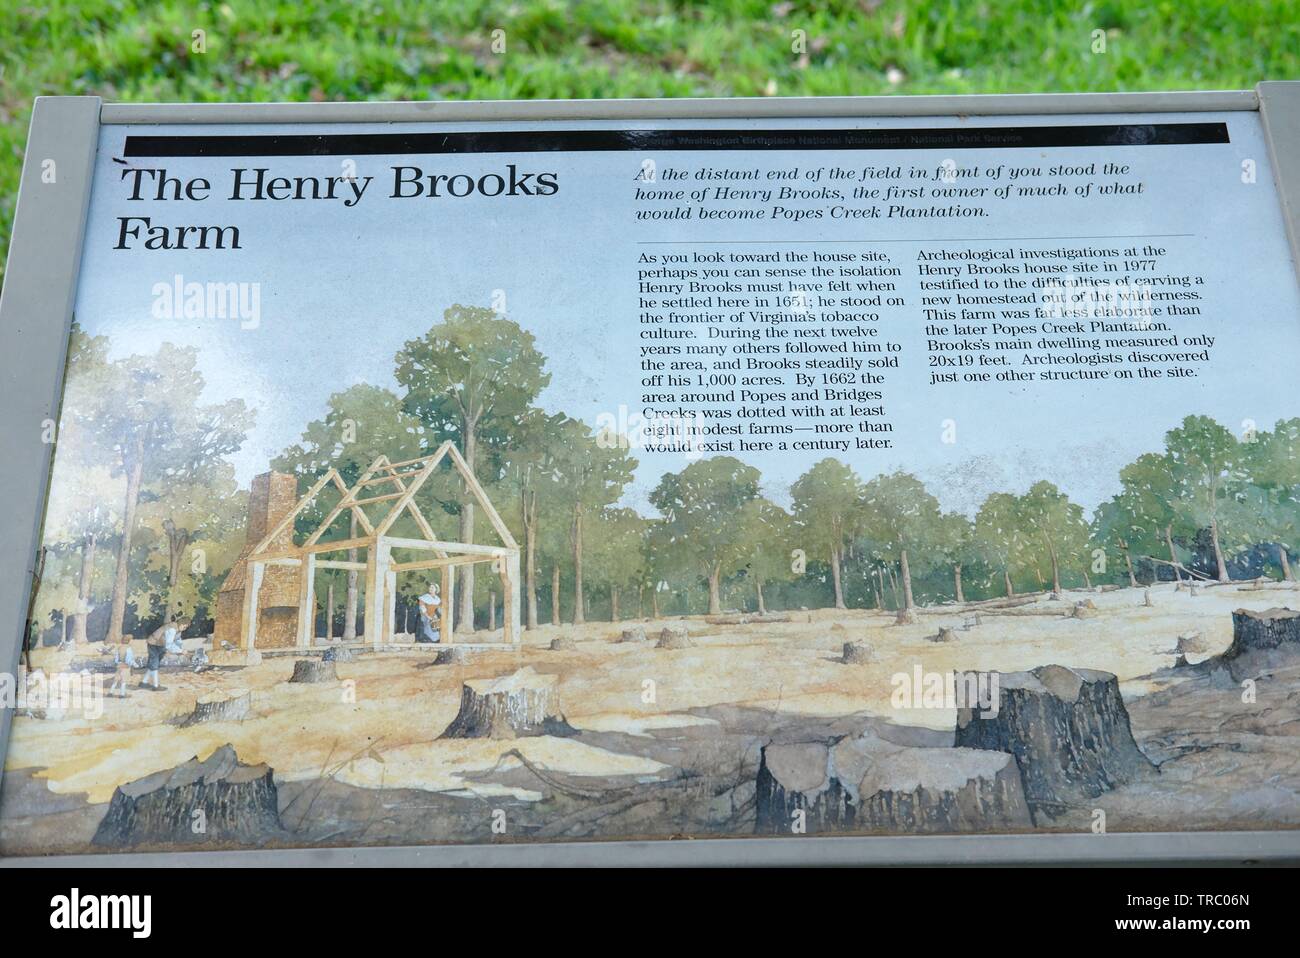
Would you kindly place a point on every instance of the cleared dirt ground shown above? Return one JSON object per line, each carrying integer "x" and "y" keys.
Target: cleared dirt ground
{"x": 668, "y": 740}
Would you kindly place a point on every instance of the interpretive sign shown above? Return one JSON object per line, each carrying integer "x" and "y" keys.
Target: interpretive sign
{"x": 541, "y": 474}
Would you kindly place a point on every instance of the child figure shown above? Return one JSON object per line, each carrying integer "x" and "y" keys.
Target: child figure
{"x": 123, "y": 662}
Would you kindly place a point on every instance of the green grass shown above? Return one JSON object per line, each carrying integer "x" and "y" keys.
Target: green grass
{"x": 261, "y": 50}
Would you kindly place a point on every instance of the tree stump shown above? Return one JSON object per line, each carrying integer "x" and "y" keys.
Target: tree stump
{"x": 563, "y": 643}
{"x": 674, "y": 638}
{"x": 313, "y": 670}
{"x": 1262, "y": 641}
{"x": 866, "y": 784}
{"x": 451, "y": 656}
{"x": 1067, "y": 728}
{"x": 634, "y": 634}
{"x": 238, "y": 803}
{"x": 1192, "y": 642}
{"x": 1084, "y": 610}
{"x": 230, "y": 706}
{"x": 339, "y": 653}
{"x": 905, "y": 617}
{"x": 1146, "y": 598}
{"x": 514, "y": 706}
{"x": 857, "y": 653}
{"x": 944, "y": 635}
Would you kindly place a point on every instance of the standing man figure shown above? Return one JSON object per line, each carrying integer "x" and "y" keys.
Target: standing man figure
{"x": 165, "y": 636}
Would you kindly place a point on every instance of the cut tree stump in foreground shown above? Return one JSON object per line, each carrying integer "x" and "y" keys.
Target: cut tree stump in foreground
{"x": 857, "y": 653}
{"x": 563, "y": 643}
{"x": 674, "y": 638}
{"x": 230, "y": 706}
{"x": 1067, "y": 728}
{"x": 866, "y": 784}
{"x": 238, "y": 803}
{"x": 451, "y": 656}
{"x": 1192, "y": 642}
{"x": 514, "y": 706}
{"x": 634, "y": 634}
{"x": 1262, "y": 641}
{"x": 314, "y": 670}
{"x": 905, "y": 617}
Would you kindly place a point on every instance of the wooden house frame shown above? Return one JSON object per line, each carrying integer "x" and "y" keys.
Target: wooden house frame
{"x": 397, "y": 483}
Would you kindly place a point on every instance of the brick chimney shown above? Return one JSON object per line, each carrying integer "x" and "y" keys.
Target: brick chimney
{"x": 271, "y": 496}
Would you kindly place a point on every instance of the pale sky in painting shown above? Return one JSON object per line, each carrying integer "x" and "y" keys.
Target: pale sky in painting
{"x": 343, "y": 288}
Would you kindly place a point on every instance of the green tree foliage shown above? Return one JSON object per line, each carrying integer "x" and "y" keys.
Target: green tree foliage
{"x": 1272, "y": 460}
{"x": 616, "y": 556}
{"x": 768, "y": 541}
{"x": 1000, "y": 538}
{"x": 592, "y": 472}
{"x": 904, "y": 519}
{"x": 703, "y": 508}
{"x": 200, "y": 522}
{"x": 360, "y": 424}
{"x": 957, "y": 547}
{"x": 1055, "y": 528}
{"x": 147, "y": 410}
{"x": 470, "y": 378}
{"x": 827, "y": 511}
{"x": 1205, "y": 465}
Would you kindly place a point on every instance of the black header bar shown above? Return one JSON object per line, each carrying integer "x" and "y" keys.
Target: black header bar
{"x": 642, "y": 141}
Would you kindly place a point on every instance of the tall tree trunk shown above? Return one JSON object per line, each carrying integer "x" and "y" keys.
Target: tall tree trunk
{"x": 654, "y": 601}
{"x": 1128, "y": 561}
{"x": 134, "y": 468}
{"x": 1221, "y": 566}
{"x": 555, "y": 594}
{"x": 956, "y": 575}
{"x": 835, "y": 576}
{"x": 758, "y": 587}
{"x": 893, "y": 586}
{"x": 1056, "y": 570}
{"x": 1006, "y": 578}
{"x": 530, "y": 558}
{"x": 177, "y": 540}
{"x": 469, "y": 438}
{"x": 1173, "y": 555}
{"x": 715, "y": 590}
{"x": 579, "y": 614}
{"x": 613, "y": 603}
{"x": 1286, "y": 563}
{"x": 1087, "y": 582}
{"x": 329, "y": 613}
{"x": 907, "y": 580}
{"x": 350, "y": 609}
{"x": 84, "y": 586}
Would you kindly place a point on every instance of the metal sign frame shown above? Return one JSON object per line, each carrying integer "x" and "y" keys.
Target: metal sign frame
{"x": 35, "y": 319}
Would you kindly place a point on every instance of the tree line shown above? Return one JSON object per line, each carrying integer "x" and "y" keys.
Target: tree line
{"x": 145, "y": 517}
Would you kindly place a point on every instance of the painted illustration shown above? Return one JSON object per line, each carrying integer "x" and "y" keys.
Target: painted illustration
{"x": 433, "y": 619}
{"x": 392, "y": 525}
